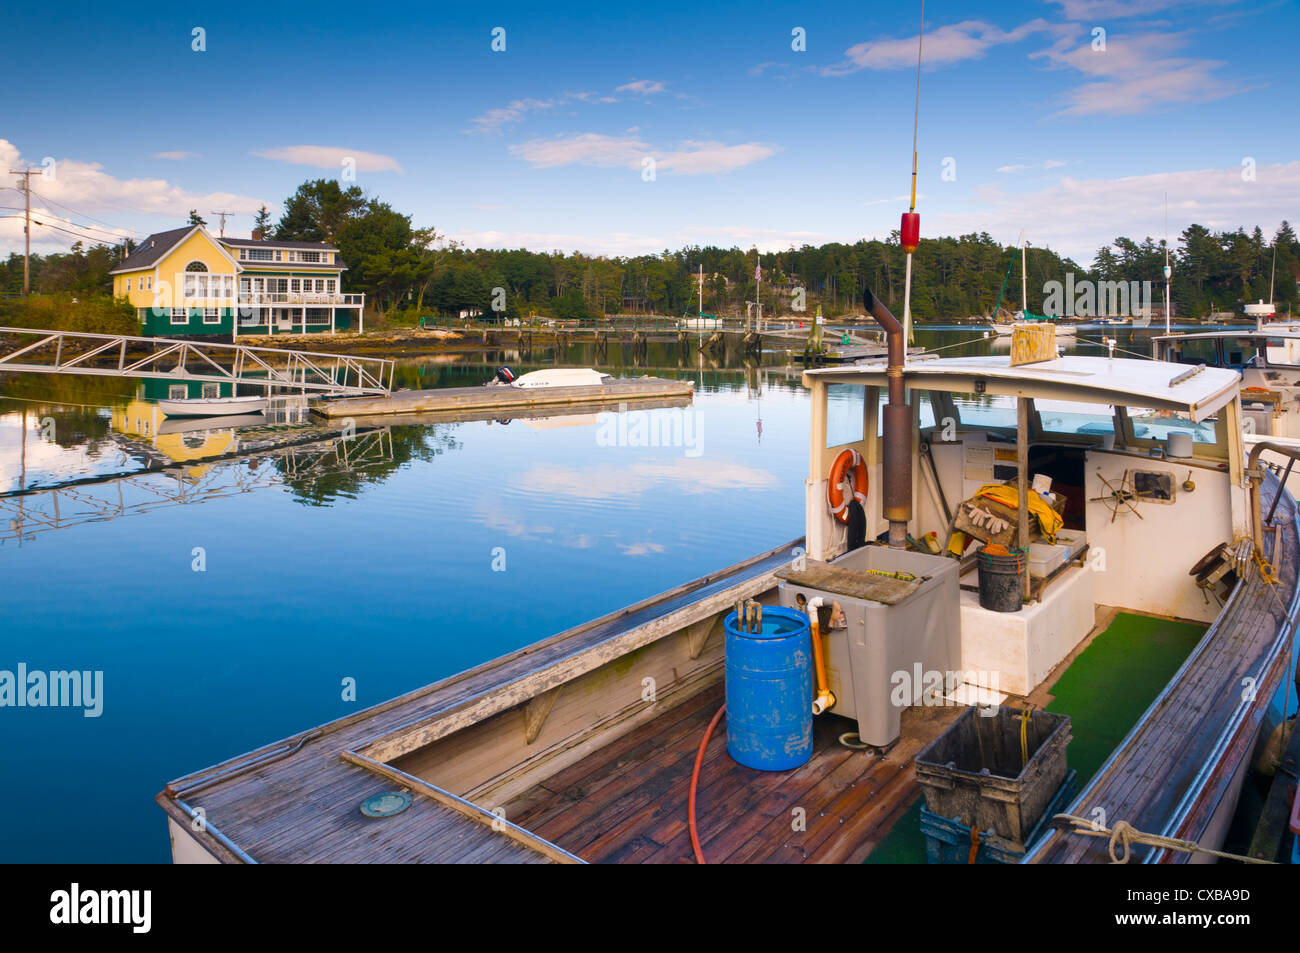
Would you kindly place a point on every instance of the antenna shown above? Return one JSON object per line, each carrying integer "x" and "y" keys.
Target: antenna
{"x": 1168, "y": 271}
{"x": 909, "y": 232}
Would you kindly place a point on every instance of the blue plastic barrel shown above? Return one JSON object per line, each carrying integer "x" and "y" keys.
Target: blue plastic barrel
{"x": 769, "y": 691}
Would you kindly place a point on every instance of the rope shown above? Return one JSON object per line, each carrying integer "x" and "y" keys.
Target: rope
{"x": 1024, "y": 737}
{"x": 1124, "y": 835}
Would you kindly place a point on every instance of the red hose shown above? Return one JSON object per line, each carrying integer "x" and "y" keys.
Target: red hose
{"x": 695, "y": 780}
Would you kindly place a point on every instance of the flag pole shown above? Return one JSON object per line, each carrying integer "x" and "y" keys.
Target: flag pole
{"x": 910, "y": 229}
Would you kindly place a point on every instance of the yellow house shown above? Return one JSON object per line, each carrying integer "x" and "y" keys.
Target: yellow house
{"x": 186, "y": 281}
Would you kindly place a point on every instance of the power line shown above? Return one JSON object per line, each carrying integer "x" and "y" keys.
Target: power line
{"x": 84, "y": 215}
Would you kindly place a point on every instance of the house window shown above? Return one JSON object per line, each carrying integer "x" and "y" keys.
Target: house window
{"x": 260, "y": 254}
{"x": 329, "y": 285}
{"x": 295, "y": 284}
{"x": 150, "y": 280}
{"x": 196, "y": 266}
{"x": 128, "y": 285}
{"x": 309, "y": 256}
{"x": 279, "y": 256}
{"x": 211, "y": 390}
{"x": 180, "y": 316}
{"x": 211, "y": 315}
{"x": 177, "y": 392}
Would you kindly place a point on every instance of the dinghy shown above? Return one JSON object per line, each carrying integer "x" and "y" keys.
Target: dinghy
{"x": 212, "y": 406}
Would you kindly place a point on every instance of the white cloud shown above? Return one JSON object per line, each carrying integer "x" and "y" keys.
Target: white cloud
{"x": 953, "y": 43}
{"x": 1086, "y": 214}
{"x": 642, "y": 87}
{"x": 331, "y": 157}
{"x": 494, "y": 119}
{"x": 760, "y": 68}
{"x": 1136, "y": 74}
{"x": 177, "y": 155}
{"x": 1093, "y": 10}
{"x": 1045, "y": 164}
{"x": 95, "y": 194}
{"x": 690, "y": 157}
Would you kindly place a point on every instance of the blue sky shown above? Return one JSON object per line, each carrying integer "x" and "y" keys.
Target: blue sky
{"x": 542, "y": 145}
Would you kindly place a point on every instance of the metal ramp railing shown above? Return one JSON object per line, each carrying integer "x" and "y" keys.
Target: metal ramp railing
{"x": 118, "y": 355}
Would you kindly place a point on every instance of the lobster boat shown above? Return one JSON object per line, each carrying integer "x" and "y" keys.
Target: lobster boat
{"x": 979, "y": 532}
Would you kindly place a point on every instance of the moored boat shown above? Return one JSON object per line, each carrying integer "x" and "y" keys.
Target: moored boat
{"x": 581, "y": 747}
{"x": 212, "y": 406}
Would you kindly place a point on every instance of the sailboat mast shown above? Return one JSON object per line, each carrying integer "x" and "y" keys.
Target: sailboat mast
{"x": 1168, "y": 271}
{"x": 1024, "y": 283}
{"x": 701, "y": 289}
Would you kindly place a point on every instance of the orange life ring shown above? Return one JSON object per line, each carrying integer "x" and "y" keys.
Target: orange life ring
{"x": 847, "y": 460}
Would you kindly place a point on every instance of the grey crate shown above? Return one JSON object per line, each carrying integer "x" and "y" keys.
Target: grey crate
{"x": 972, "y": 772}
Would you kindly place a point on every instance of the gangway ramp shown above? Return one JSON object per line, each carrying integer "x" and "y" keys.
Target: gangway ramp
{"x": 33, "y": 351}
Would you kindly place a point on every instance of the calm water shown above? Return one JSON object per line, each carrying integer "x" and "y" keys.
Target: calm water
{"x": 427, "y": 550}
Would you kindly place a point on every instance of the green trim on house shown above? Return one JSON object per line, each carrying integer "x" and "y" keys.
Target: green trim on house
{"x": 153, "y": 388}
{"x": 157, "y": 322}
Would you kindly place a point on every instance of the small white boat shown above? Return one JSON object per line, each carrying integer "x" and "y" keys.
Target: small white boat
{"x": 551, "y": 377}
{"x": 212, "y": 406}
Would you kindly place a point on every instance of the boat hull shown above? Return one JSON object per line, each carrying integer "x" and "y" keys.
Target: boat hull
{"x": 213, "y": 407}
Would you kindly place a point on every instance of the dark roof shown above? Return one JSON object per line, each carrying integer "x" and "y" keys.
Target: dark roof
{"x": 265, "y": 243}
{"x": 147, "y": 253}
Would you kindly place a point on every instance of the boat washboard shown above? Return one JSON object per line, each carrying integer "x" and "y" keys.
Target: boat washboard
{"x": 1031, "y": 343}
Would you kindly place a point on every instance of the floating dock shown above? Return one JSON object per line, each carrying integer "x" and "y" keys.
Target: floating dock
{"x": 506, "y": 399}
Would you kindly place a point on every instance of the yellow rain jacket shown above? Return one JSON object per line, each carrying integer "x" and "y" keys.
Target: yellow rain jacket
{"x": 1049, "y": 521}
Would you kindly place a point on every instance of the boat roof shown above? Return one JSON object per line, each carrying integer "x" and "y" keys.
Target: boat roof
{"x": 1197, "y": 391}
{"x": 1280, "y": 331}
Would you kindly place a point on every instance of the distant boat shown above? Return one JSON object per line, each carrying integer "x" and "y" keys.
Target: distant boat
{"x": 212, "y": 406}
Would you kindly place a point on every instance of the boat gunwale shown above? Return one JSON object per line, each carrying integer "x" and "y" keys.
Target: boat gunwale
{"x": 250, "y": 760}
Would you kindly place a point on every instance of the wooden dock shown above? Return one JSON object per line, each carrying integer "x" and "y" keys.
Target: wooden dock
{"x": 505, "y": 399}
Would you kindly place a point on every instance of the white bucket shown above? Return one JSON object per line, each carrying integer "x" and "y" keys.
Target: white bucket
{"x": 1179, "y": 444}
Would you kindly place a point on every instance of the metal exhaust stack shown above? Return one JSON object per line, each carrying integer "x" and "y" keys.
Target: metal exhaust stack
{"x": 897, "y": 498}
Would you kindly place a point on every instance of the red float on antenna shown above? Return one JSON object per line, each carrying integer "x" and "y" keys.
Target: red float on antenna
{"x": 910, "y": 231}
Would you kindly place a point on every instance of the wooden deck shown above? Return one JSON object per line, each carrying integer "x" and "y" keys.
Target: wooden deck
{"x": 296, "y": 801}
{"x": 1178, "y": 765}
{"x": 505, "y": 399}
{"x": 626, "y": 803}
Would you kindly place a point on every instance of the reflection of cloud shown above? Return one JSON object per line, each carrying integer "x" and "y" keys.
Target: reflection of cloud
{"x": 690, "y": 475}
{"x": 495, "y": 518}
{"x": 640, "y": 549}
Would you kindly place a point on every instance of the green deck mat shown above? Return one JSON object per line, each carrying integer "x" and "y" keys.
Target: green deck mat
{"x": 1104, "y": 691}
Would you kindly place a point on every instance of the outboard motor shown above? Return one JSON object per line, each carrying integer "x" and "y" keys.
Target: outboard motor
{"x": 504, "y": 375}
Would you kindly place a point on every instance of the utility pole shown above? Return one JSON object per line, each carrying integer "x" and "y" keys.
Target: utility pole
{"x": 223, "y": 220}
{"x": 27, "y": 225}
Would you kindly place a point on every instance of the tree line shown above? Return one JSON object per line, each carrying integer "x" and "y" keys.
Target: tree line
{"x": 408, "y": 271}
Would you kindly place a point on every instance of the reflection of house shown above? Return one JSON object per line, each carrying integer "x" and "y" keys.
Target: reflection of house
{"x": 185, "y": 281}
{"x": 141, "y": 418}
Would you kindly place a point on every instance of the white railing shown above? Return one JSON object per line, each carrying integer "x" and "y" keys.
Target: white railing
{"x": 301, "y": 297}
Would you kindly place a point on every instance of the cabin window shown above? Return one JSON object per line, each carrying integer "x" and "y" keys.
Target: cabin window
{"x": 177, "y": 392}
{"x": 180, "y": 316}
{"x": 1157, "y": 425}
{"x": 1069, "y": 417}
{"x": 844, "y": 411}
{"x": 211, "y": 390}
{"x": 211, "y": 316}
{"x": 985, "y": 410}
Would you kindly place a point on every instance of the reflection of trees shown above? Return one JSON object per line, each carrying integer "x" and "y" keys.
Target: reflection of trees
{"x": 73, "y": 402}
{"x": 352, "y": 464}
